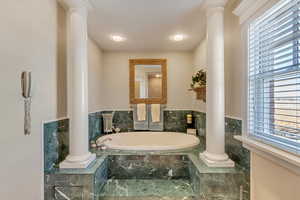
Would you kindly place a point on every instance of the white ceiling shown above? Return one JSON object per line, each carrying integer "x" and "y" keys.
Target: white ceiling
{"x": 147, "y": 24}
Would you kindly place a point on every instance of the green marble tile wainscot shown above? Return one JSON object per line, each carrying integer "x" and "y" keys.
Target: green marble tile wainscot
{"x": 199, "y": 122}
{"x": 123, "y": 120}
{"x": 175, "y": 120}
{"x": 56, "y": 143}
{"x": 233, "y": 148}
{"x": 95, "y": 125}
{"x": 231, "y": 125}
{"x": 56, "y": 139}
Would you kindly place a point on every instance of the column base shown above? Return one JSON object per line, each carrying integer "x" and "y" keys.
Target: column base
{"x": 71, "y": 163}
{"x": 210, "y": 162}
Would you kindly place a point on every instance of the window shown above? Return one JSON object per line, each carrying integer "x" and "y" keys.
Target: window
{"x": 274, "y": 76}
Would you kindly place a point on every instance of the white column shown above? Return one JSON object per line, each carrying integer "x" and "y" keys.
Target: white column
{"x": 215, "y": 155}
{"x": 77, "y": 69}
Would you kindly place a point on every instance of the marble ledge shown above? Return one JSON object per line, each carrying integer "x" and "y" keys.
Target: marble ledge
{"x": 91, "y": 169}
{"x": 193, "y": 155}
{"x": 204, "y": 169}
{"x": 281, "y": 157}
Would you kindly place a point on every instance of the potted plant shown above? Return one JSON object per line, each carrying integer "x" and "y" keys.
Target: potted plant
{"x": 198, "y": 84}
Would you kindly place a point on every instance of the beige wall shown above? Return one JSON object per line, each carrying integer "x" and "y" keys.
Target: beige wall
{"x": 116, "y": 78}
{"x": 233, "y": 63}
{"x": 28, "y": 42}
{"x": 33, "y": 39}
{"x": 200, "y": 56}
{"x": 269, "y": 181}
{"x": 61, "y": 63}
{"x": 95, "y": 76}
{"x": 199, "y": 62}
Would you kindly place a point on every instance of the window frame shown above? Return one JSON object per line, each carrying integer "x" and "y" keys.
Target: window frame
{"x": 268, "y": 138}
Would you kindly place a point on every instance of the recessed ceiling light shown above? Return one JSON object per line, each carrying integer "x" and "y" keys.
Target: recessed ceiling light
{"x": 178, "y": 37}
{"x": 117, "y": 38}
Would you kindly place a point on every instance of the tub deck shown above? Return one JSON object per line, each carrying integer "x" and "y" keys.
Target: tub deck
{"x": 138, "y": 171}
{"x": 149, "y": 141}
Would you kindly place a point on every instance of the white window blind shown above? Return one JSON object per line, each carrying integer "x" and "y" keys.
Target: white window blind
{"x": 274, "y": 76}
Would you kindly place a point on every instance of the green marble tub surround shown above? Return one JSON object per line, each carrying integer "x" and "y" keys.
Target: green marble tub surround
{"x": 148, "y": 166}
{"x": 223, "y": 183}
{"x": 81, "y": 184}
{"x": 147, "y": 187}
{"x": 73, "y": 186}
{"x": 101, "y": 177}
{"x": 146, "y": 175}
{"x": 207, "y": 183}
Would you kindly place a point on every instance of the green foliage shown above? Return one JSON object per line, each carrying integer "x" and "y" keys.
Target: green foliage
{"x": 199, "y": 79}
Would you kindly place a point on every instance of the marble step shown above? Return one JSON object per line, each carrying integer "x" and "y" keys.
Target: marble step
{"x": 147, "y": 189}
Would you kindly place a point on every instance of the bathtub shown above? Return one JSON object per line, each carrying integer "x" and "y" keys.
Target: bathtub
{"x": 152, "y": 141}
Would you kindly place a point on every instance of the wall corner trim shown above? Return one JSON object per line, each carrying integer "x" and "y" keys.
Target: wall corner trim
{"x": 67, "y": 4}
{"x": 285, "y": 159}
{"x": 247, "y": 8}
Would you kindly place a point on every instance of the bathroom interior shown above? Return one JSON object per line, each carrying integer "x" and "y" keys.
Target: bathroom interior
{"x": 150, "y": 100}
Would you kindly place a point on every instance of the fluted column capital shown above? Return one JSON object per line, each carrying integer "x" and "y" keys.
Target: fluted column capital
{"x": 215, "y": 3}
{"x": 212, "y": 6}
{"x": 75, "y": 4}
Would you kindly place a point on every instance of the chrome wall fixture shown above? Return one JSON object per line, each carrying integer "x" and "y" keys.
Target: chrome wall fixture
{"x": 26, "y": 93}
